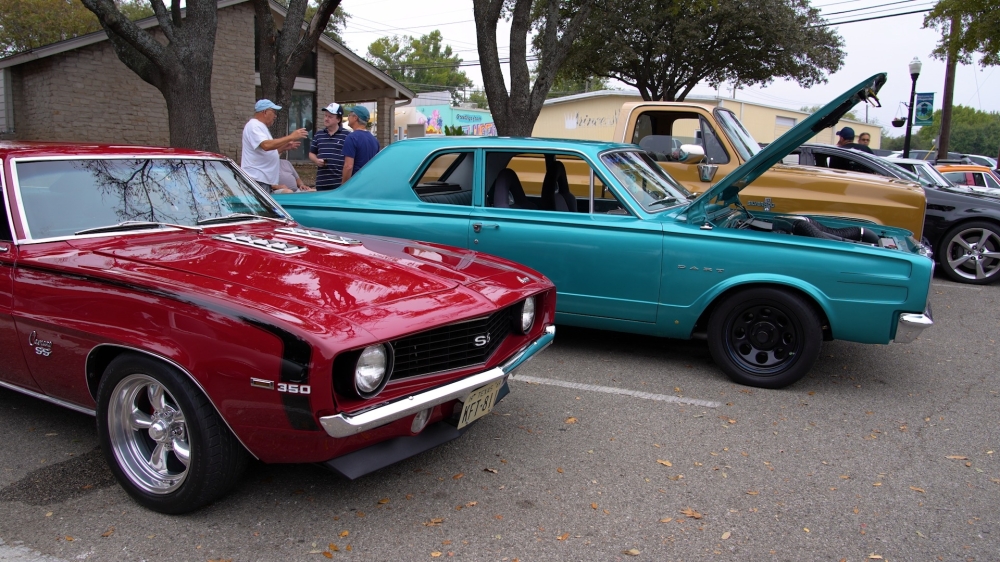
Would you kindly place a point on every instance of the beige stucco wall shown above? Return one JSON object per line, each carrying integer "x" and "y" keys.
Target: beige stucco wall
{"x": 596, "y": 117}
{"x": 88, "y": 95}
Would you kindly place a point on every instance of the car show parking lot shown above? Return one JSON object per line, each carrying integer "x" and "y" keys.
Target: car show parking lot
{"x": 609, "y": 446}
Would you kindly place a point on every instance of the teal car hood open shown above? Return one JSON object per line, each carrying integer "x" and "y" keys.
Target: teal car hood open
{"x": 726, "y": 192}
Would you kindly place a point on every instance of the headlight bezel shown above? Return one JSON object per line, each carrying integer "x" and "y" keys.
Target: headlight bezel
{"x": 367, "y": 391}
{"x": 345, "y": 372}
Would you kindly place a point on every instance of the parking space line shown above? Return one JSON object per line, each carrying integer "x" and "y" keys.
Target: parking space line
{"x": 619, "y": 391}
{"x": 958, "y": 286}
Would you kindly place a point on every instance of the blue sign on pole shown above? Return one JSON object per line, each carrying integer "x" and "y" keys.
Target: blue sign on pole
{"x": 923, "y": 112}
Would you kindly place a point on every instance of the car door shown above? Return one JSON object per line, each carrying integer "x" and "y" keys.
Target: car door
{"x": 13, "y": 368}
{"x": 604, "y": 261}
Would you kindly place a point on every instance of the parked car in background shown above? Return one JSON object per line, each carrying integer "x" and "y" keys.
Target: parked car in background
{"x": 163, "y": 292}
{"x": 962, "y": 224}
{"x": 664, "y": 128}
{"x": 636, "y": 252}
{"x": 976, "y": 177}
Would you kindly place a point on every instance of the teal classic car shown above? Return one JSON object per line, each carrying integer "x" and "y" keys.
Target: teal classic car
{"x": 629, "y": 249}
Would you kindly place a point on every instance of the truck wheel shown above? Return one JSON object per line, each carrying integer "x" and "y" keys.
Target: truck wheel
{"x": 970, "y": 253}
{"x": 162, "y": 438}
{"x": 764, "y": 337}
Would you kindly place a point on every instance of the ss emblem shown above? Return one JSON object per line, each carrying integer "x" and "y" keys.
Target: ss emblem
{"x": 480, "y": 341}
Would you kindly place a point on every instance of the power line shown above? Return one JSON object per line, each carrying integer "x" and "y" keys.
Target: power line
{"x": 827, "y": 24}
{"x": 868, "y": 8}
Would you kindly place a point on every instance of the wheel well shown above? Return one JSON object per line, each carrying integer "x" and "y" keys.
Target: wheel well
{"x": 701, "y": 326}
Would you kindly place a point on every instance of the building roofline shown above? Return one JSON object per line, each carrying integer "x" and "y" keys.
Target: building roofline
{"x": 695, "y": 98}
{"x": 151, "y": 22}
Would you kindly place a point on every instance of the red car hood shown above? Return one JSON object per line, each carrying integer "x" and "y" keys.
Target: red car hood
{"x": 339, "y": 277}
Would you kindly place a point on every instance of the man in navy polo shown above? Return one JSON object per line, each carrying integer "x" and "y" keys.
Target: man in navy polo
{"x": 360, "y": 146}
{"x": 327, "y": 149}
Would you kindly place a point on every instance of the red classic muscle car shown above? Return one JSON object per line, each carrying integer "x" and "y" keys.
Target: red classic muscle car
{"x": 163, "y": 292}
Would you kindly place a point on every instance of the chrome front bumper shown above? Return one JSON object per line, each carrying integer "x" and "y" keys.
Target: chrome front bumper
{"x": 345, "y": 425}
{"x": 910, "y": 325}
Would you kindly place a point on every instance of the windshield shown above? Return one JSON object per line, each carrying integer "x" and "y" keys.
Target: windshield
{"x": 742, "y": 139}
{"x": 648, "y": 184}
{"x": 61, "y": 197}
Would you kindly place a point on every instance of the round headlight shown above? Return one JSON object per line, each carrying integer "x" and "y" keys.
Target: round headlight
{"x": 527, "y": 314}
{"x": 370, "y": 373}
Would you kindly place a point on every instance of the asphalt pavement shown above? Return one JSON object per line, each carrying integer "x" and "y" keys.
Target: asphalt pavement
{"x": 609, "y": 447}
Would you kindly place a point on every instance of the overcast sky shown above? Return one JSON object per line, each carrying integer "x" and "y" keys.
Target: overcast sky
{"x": 883, "y": 45}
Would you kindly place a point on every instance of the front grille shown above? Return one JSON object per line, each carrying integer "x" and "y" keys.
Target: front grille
{"x": 450, "y": 347}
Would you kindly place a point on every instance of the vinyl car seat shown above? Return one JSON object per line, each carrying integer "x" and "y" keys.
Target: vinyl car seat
{"x": 555, "y": 189}
{"x": 508, "y": 193}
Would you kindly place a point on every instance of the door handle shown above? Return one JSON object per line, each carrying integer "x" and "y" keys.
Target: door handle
{"x": 4, "y": 248}
{"x": 478, "y": 227}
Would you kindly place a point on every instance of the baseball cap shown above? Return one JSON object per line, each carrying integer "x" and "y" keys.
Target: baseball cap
{"x": 361, "y": 111}
{"x": 335, "y": 109}
{"x": 846, "y": 133}
{"x": 263, "y": 105}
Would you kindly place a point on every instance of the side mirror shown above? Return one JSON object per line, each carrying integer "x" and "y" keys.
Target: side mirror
{"x": 690, "y": 154}
{"x": 706, "y": 172}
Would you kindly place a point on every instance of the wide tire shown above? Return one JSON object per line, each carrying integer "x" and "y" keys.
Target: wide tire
{"x": 970, "y": 253}
{"x": 764, "y": 337}
{"x": 162, "y": 438}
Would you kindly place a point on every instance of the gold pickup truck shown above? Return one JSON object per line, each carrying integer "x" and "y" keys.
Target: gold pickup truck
{"x": 663, "y": 128}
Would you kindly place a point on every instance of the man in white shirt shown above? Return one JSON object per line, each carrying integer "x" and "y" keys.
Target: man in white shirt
{"x": 260, "y": 150}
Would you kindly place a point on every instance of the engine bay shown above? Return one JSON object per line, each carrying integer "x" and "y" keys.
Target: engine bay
{"x": 795, "y": 225}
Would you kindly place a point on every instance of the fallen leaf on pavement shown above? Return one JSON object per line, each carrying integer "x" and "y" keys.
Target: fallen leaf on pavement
{"x": 593, "y": 506}
{"x": 570, "y": 420}
{"x": 752, "y": 492}
{"x": 435, "y": 554}
{"x": 664, "y": 462}
{"x": 109, "y": 532}
{"x": 957, "y": 457}
{"x": 345, "y": 533}
{"x": 632, "y": 552}
{"x": 915, "y": 489}
{"x": 559, "y": 470}
{"x": 562, "y": 537}
{"x": 666, "y": 520}
{"x": 726, "y": 535}
{"x": 458, "y": 476}
{"x": 383, "y": 501}
{"x": 691, "y": 513}
{"x": 493, "y": 470}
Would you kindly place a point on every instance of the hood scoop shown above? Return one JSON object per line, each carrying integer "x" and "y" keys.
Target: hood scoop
{"x": 317, "y": 235}
{"x": 271, "y": 245}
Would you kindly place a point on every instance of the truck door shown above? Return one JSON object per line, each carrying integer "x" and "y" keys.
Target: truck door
{"x": 660, "y": 132}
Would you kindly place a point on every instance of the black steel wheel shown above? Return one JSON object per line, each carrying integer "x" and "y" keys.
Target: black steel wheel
{"x": 970, "y": 253}
{"x": 162, "y": 438}
{"x": 765, "y": 337}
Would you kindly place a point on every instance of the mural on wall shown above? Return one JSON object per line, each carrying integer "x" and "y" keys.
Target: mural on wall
{"x": 480, "y": 130}
{"x": 433, "y": 125}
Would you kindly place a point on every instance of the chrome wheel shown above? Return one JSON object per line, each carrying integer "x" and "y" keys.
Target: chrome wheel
{"x": 148, "y": 434}
{"x": 973, "y": 254}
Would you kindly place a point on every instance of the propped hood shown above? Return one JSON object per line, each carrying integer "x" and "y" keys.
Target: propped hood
{"x": 726, "y": 192}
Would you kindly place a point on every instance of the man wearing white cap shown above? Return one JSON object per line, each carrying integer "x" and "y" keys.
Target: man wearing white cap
{"x": 327, "y": 148}
{"x": 260, "y": 150}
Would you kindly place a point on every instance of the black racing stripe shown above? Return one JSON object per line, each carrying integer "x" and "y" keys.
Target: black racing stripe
{"x": 295, "y": 356}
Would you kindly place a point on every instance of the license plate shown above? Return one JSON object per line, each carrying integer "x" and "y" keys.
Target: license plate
{"x": 479, "y": 403}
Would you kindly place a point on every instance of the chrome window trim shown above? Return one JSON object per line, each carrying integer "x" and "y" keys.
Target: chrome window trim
{"x": 49, "y": 399}
{"x": 629, "y": 201}
{"x": 24, "y": 219}
{"x": 6, "y": 204}
{"x": 176, "y": 366}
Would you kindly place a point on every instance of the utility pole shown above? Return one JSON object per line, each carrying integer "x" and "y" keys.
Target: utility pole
{"x": 949, "y": 86}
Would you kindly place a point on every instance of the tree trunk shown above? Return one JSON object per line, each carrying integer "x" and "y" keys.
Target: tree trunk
{"x": 282, "y": 52}
{"x": 181, "y": 69}
{"x": 949, "y": 88}
{"x": 514, "y": 113}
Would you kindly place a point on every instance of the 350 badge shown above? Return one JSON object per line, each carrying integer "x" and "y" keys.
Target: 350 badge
{"x": 281, "y": 387}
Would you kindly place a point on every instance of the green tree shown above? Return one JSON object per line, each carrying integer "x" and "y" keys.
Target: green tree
{"x": 29, "y": 24}
{"x": 478, "y": 97}
{"x": 422, "y": 63}
{"x": 814, "y": 108}
{"x": 665, "y": 48}
{"x": 978, "y": 30}
{"x": 338, "y": 21}
{"x": 972, "y": 131}
{"x": 566, "y": 85}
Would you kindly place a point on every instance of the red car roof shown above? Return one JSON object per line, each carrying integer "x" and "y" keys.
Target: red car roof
{"x": 36, "y": 149}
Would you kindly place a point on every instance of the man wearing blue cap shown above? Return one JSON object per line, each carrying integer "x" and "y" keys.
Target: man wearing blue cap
{"x": 260, "y": 150}
{"x": 846, "y": 140}
{"x": 360, "y": 146}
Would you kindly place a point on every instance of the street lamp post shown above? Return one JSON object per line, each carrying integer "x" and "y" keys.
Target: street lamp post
{"x": 914, "y": 73}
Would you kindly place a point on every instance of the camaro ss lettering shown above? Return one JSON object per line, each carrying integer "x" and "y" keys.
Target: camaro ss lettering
{"x": 480, "y": 341}
{"x": 42, "y": 347}
{"x": 294, "y": 388}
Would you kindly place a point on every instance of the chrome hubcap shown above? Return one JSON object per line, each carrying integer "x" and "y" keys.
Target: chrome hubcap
{"x": 974, "y": 253}
{"x": 149, "y": 434}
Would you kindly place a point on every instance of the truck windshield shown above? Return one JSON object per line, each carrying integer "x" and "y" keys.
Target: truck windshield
{"x": 645, "y": 181}
{"x": 737, "y": 133}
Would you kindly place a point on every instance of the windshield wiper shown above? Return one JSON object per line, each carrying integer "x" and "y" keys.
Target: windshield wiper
{"x": 664, "y": 201}
{"x": 233, "y": 217}
{"x": 134, "y": 225}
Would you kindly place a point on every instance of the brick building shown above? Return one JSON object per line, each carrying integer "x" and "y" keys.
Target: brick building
{"x": 77, "y": 90}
